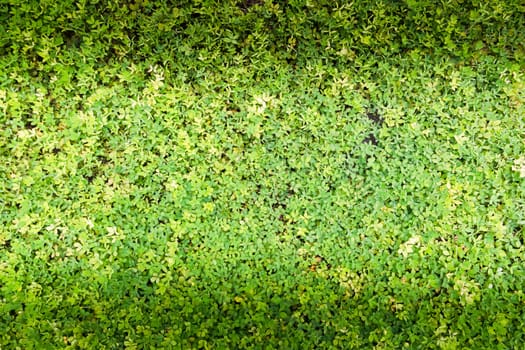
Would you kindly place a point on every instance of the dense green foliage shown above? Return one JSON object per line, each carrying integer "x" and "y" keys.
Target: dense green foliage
{"x": 262, "y": 174}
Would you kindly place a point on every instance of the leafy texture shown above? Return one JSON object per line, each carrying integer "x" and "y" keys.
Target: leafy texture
{"x": 262, "y": 174}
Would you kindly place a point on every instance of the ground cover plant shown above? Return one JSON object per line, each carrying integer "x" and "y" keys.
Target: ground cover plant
{"x": 262, "y": 174}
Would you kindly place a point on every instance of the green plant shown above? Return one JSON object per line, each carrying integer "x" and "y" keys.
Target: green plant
{"x": 273, "y": 174}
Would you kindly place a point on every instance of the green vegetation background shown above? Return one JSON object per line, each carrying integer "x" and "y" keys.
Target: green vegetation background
{"x": 262, "y": 174}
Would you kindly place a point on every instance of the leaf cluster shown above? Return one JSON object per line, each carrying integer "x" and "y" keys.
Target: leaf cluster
{"x": 262, "y": 174}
